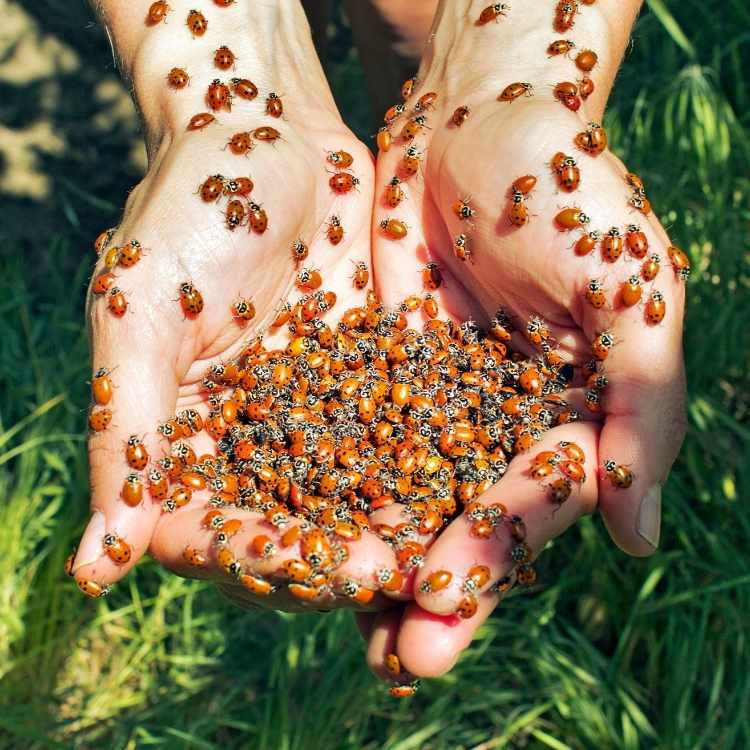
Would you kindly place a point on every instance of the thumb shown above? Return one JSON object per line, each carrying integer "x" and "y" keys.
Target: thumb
{"x": 133, "y": 389}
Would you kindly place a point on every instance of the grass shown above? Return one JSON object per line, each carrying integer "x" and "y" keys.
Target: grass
{"x": 608, "y": 653}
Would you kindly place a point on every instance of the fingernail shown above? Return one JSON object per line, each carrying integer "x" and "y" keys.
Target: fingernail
{"x": 90, "y": 549}
{"x": 648, "y": 522}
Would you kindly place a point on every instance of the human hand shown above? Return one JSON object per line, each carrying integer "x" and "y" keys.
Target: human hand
{"x": 531, "y": 270}
{"x": 157, "y": 353}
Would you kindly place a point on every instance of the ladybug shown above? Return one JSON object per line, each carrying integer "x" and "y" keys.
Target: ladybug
{"x": 526, "y": 575}
{"x": 585, "y": 87}
{"x": 343, "y": 182}
{"x": 177, "y": 78}
{"x": 361, "y": 275}
{"x": 393, "y": 112}
{"x": 299, "y": 251}
{"x": 568, "y": 175}
{"x": 601, "y": 345}
{"x": 426, "y": 101}
{"x": 191, "y": 300}
{"x": 393, "y": 194}
{"x": 334, "y": 230}
{"x": 565, "y": 15}
{"x": 212, "y": 188}
{"x": 274, "y": 105}
{"x": 224, "y": 58}
{"x": 492, "y": 13}
{"x": 103, "y": 239}
{"x": 224, "y": 3}
{"x": 308, "y": 279}
{"x": 234, "y": 215}
{"x": 241, "y": 186}
{"x": 100, "y": 419}
{"x": 467, "y": 607}
{"x": 587, "y": 242}
{"x": 620, "y": 476}
{"x": 240, "y": 143}
{"x": 117, "y": 302}
{"x": 413, "y": 127}
{"x": 560, "y": 47}
{"x": 565, "y": 90}
{"x": 595, "y": 295}
{"x": 461, "y": 247}
{"x": 593, "y": 140}
{"x": 193, "y": 558}
{"x": 244, "y": 88}
{"x": 256, "y": 585}
{"x": 136, "y": 454}
{"x": 571, "y": 218}
{"x": 384, "y": 139}
{"x": 404, "y": 691}
{"x": 266, "y": 133}
{"x": 130, "y": 254}
{"x": 340, "y": 159}
{"x": 257, "y": 218}
{"x": 463, "y": 210}
{"x": 636, "y": 241}
{"x": 117, "y": 549}
{"x": 436, "y": 581}
{"x": 101, "y": 386}
{"x": 407, "y": 87}
{"x": 392, "y": 664}
{"x": 218, "y": 96}
{"x": 158, "y": 486}
{"x": 612, "y": 244}
{"x": 410, "y": 161}
{"x": 630, "y": 291}
{"x": 656, "y": 308}
{"x": 157, "y": 13}
{"x": 390, "y": 579}
{"x": 430, "y": 306}
{"x": 102, "y": 283}
{"x": 200, "y": 121}
{"x": 197, "y": 23}
{"x": 92, "y": 588}
{"x": 515, "y": 90}
{"x": 132, "y": 490}
{"x": 243, "y": 310}
{"x": 519, "y": 213}
{"x": 432, "y": 278}
{"x": 112, "y": 258}
{"x": 680, "y": 262}
{"x": 460, "y": 115}
{"x": 394, "y": 229}
{"x": 560, "y": 490}
{"x": 650, "y": 267}
{"x": 524, "y": 184}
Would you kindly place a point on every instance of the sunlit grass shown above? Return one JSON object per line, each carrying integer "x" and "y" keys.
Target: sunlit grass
{"x": 609, "y": 652}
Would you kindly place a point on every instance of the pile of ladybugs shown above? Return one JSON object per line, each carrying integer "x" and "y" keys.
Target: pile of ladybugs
{"x": 348, "y": 420}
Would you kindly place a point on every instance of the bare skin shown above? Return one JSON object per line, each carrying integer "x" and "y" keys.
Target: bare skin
{"x": 530, "y": 270}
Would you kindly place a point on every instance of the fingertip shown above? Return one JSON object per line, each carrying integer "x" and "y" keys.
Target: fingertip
{"x": 429, "y": 644}
{"x": 634, "y": 525}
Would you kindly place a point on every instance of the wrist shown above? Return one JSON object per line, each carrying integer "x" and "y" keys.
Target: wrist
{"x": 270, "y": 41}
{"x": 462, "y": 56}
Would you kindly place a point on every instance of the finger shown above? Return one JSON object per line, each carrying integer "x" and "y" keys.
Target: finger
{"x": 183, "y": 537}
{"x": 438, "y": 619}
{"x": 381, "y": 641}
{"x": 140, "y": 366}
{"x": 643, "y": 408}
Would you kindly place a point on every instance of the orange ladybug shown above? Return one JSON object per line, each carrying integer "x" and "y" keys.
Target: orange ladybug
{"x": 244, "y": 88}
{"x": 240, "y": 144}
{"x": 404, "y": 691}
{"x": 197, "y": 23}
{"x": 157, "y": 13}
{"x": 200, "y": 121}
{"x": 393, "y": 194}
{"x": 650, "y": 267}
{"x": 117, "y": 549}
{"x": 100, "y": 419}
{"x": 92, "y": 588}
{"x": 266, "y": 133}
{"x": 334, "y": 230}
{"x": 343, "y": 182}
{"x": 560, "y": 47}
{"x": 394, "y": 229}
{"x": 340, "y": 159}
{"x": 101, "y": 386}
{"x": 274, "y": 105}
{"x": 620, "y": 476}
{"x": 384, "y": 139}
{"x": 102, "y": 283}
{"x": 630, "y": 291}
{"x": 519, "y": 212}
{"x": 636, "y": 241}
{"x": 593, "y": 140}
{"x": 680, "y": 262}
{"x": 193, "y": 558}
{"x": 177, "y": 78}
{"x": 492, "y": 13}
{"x": 460, "y": 115}
{"x": 243, "y": 310}
{"x": 601, "y": 345}
{"x": 655, "y": 308}
{"x": 571, "y": 218}
{"x": 224, "y": 58}
{"x": 117, "y": 302}
{"x": 218, "y": 96}
{"x": 136, "y": 454}
{"x": 595, "y": 295}
{"x": 611, "y": 245}
{"x": 191, "y": 300}
{"x": 586, "y": 60}
{"x": 361, "y": 275}
{"x": 515, "y": 90}
{"x": 467, "y": 607}
{"x": 257, "y": 218}
{"x": 132, "y": 490}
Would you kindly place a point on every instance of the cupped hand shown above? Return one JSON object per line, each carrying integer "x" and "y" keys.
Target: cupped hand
{"x": 157, "y": 353}
{"x": 532, "y": 269}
